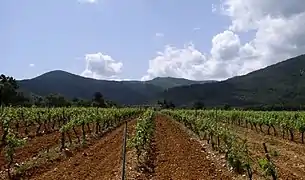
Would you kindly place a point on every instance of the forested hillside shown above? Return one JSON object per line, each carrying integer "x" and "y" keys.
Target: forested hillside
{"x": 281, "y": 83}
{"x": 123, "y": 92}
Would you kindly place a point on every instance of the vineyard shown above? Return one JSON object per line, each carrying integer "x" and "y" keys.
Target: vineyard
{"x": 88, "y": 143}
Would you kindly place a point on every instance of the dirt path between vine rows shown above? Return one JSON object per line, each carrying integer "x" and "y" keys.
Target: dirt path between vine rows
{"x": 180, "y": 157}
{"x": 102, "y": 160}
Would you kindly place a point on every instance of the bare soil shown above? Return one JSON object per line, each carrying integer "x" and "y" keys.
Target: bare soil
{"x": 36, "y": 144}
{"x": 32, "y": 147}
{"x": 102, "y": 160}
{"x": 178, "y": 156}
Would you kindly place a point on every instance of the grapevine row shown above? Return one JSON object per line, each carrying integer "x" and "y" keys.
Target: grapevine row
{"x": 94, "y": 119}
{"x": 141, "y": 141}
{"x": 219, "y": 136}
{"x": 276, "y": 123}
{"x": 18, "y": 123}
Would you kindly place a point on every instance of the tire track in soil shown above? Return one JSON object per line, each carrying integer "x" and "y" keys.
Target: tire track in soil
{"x": 179, "y": 157}
{"x": 99, "y": 161}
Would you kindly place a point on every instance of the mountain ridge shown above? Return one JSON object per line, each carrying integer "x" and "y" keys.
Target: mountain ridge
{"x": 64, "y": 73}
{"x": 124, "y": 92}
{"x": 280, "y": 83}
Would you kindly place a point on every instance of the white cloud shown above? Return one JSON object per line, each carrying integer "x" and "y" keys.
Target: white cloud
{"x": 279, "y": 26}
{"x": 159, "y": 35}
{"x": 186, "y": 62}
{"x": 101, "y": 66}
{"x": 225, "y": 46}
{"x": 88, "y": 1}
{"x": 122, "y": 79}
{"x": 214, "y": 8}
{"x": 248, "y": 14}
{"x": 31, "y": 65}
{"x": 279, "y": 34}
{"x": 196, "y": 29}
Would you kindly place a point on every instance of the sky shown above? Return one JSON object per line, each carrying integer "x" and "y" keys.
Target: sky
{"x": 144, "y": 39}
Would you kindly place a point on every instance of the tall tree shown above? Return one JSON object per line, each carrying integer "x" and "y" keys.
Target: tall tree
{"x": 198, "y": 105}
{"x": 166, "y": 104}
{"x": 8, "y": 87}
{"x": 56, "y": 100}
{"x": 98, "y": 100}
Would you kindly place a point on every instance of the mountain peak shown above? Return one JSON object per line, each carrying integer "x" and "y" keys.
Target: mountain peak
{"x": 55, "y": 74}
{"x": 61, "y": 72}
{"x": 169, "y": 82}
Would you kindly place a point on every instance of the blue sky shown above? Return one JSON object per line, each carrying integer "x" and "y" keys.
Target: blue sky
{"x": 38, "y": 36}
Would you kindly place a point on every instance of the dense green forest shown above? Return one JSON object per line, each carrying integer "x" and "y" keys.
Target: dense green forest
{"x": 281, "y": 84}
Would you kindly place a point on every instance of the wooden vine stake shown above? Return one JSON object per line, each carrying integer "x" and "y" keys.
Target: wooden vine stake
{"x": 269, "y": 159}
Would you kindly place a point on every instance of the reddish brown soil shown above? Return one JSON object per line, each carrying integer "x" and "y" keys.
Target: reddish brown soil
{"x": 291, "y": 160}
{"x": 278, "y": 132}
{"x": 33, "y": 147}
{"x": 102, "y": 160}
{"x": 180, "y": 157}
{"x": 36, "y": 144}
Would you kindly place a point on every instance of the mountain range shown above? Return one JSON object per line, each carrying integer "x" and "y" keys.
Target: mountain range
{"x": 281, "y": 83}
{"x": 122, "y": 92}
